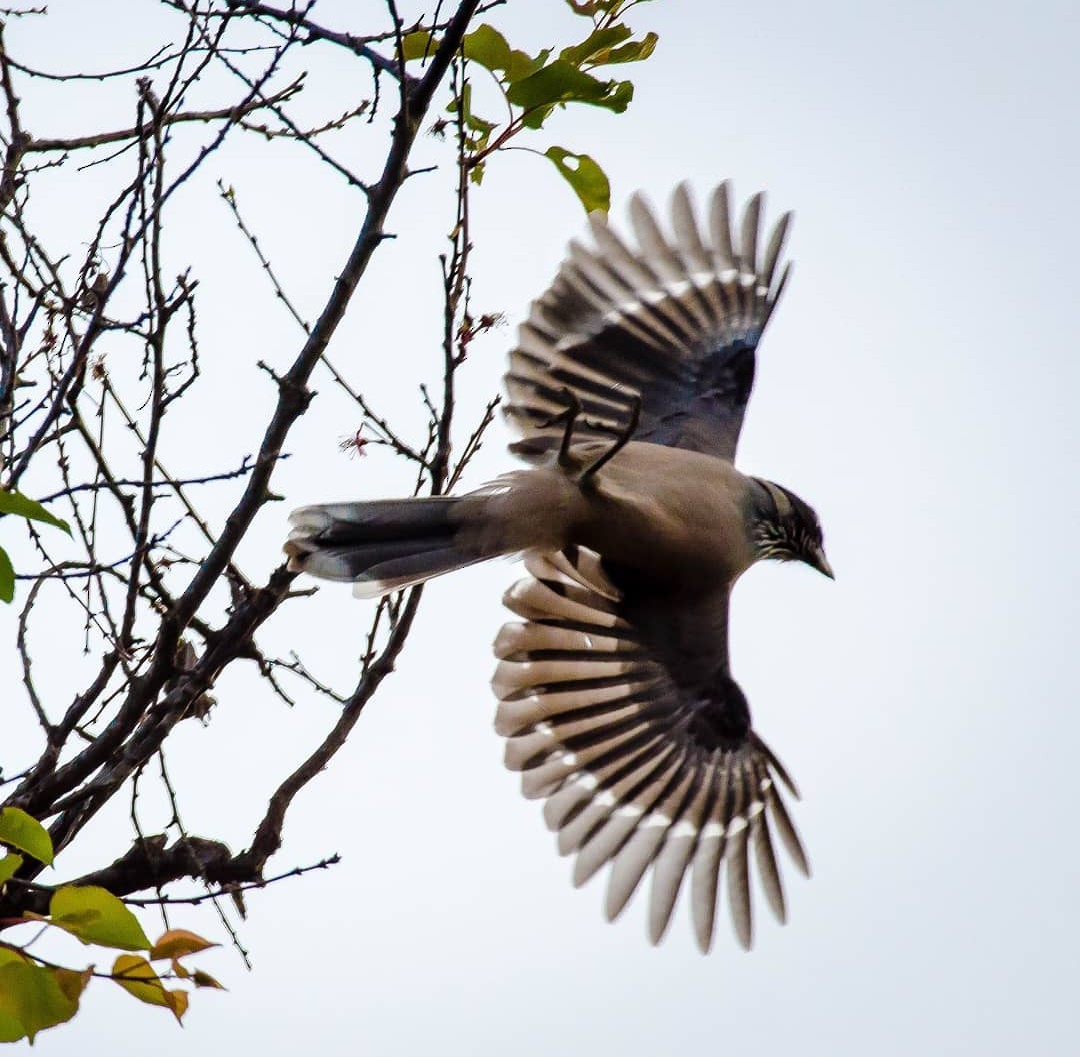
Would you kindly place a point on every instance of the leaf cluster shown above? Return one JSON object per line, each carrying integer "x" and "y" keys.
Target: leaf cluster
{"x": 533, "y": 86}
{"x": 36, "y": 994}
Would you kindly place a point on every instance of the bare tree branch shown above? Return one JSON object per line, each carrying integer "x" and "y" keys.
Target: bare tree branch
{"x": 146, "y": 685}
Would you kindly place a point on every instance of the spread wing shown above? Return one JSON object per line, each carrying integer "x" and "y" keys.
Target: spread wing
{"x": 674, "y": 322}
{"x": 627, "y": 723}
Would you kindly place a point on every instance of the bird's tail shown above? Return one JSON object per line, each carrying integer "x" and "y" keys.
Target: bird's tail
{"x": 384, "y": 545}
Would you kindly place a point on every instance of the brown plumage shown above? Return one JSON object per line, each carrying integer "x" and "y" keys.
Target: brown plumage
{"x": 628, "y": 387}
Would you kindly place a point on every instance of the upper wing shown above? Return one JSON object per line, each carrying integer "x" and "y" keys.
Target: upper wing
{"x": 673, "y": 322}
{"x": 643, "y": 761}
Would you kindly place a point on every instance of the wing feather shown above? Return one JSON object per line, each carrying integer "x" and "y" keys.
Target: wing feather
{"x": 671, "y": 322}
{"x": 644, "y": 763}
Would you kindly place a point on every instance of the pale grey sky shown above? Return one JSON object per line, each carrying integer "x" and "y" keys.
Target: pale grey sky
{"x": 917, "y": 384}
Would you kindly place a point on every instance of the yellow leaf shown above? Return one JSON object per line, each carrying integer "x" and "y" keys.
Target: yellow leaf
{"x": 136, "y": 976}
{"x": 8, "y": 865}
{"x": 72, "y": 982}
{"x": 33, "y": 998}
{"x": 95, "y": 915}
{"x": 178, "y": 942}
{"x": 179, "y": 1003}
{"x": 419, "y": 44}
{"x": 10, "y": 956}
{"x": 24, "y": 833}
{"x": 11, "y": 1029}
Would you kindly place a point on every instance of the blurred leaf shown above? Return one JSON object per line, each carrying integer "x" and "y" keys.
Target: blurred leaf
{"x": 11, "y": 1029}
{"x": 522, "y": 65}
{"x": 478, "y": 124}
{"x": 473, "y": 122}
{"x": 178, "y": 1003}
{"x": 7, "y": 577}
{"x": 31, "y": 997}
{"x": 587, "y": 7}
{"x": 420, "y": 44}
{"x": 621, "y": 97}
{"x": 558, "y": 82}
{"x": 611, "y": 8}
{"x": 136, "y": 976}
{"x": 72, "y": 982}
{"x": 202, "y": 979}
{"x": 598, "y": 41}
{"x": 635, "y": 51}
{"x": 178, "y": 942}
{"x": 94, "y": 915}
{"x": 8, "y": 865}
{"x": 582, "y": 173}
{"x": 26, "y": 834}
{"x": 19, "y": 505}
{"x": 487, "y": 46}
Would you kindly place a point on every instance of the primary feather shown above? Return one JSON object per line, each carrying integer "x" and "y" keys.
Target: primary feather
{"x": 674, "y": 322}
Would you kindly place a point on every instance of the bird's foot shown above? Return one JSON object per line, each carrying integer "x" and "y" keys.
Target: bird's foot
{"x": 566, "y": 418}
{"x": 623, "y": 436}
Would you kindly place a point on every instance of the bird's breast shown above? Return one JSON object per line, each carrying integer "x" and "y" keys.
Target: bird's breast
{"x": 671, "y": 515}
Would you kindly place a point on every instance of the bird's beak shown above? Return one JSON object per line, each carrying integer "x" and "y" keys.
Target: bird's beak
{"x": 821, "y": 563}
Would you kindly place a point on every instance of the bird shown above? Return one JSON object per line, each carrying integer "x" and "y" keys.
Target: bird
{"x": 626, "y": 391}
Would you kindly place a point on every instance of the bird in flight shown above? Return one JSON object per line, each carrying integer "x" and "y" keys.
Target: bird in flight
{"x": 627, "y": 389}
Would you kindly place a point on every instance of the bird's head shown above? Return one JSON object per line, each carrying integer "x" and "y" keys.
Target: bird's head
{"x": 786, "y": 528}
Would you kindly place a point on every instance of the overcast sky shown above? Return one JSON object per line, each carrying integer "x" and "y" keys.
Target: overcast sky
{"x": 917, "y": 385}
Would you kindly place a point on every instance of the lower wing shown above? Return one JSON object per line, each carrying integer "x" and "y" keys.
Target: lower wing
{"x": 636, "y": 770}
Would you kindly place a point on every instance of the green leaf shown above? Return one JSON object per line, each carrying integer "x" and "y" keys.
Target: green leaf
{"x": 487, "y": 46}
{"x": 595, "y": 43}
{"x": 8, "y": 865}
{"x": 523, "y": 65}
{"x": 475, "y": 123}
{"x": 21, "y": 506}
{"x": 635, "y": 51}
{"x": 7, "y": 577}
{"x": 95, "y": 915}
{"x": 621, "y": 97}
{"x": 24, "y": 833}
{"x": 420, "y": 44}
{"x": 582, "y": 173}
{"x": 558, "y": 82}
{"x": 31, "y": 996}
{"x": 588, "y": 8}
{"x": 472, "y": 121}
{"x": 136, "y": 976}
{"x": 11, "y": 1029}
{"x": 536, "y": 117}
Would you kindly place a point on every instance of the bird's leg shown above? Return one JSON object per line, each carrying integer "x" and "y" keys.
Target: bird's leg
{"x": 569, "y": 417}
{"x": 622, "y": 438}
